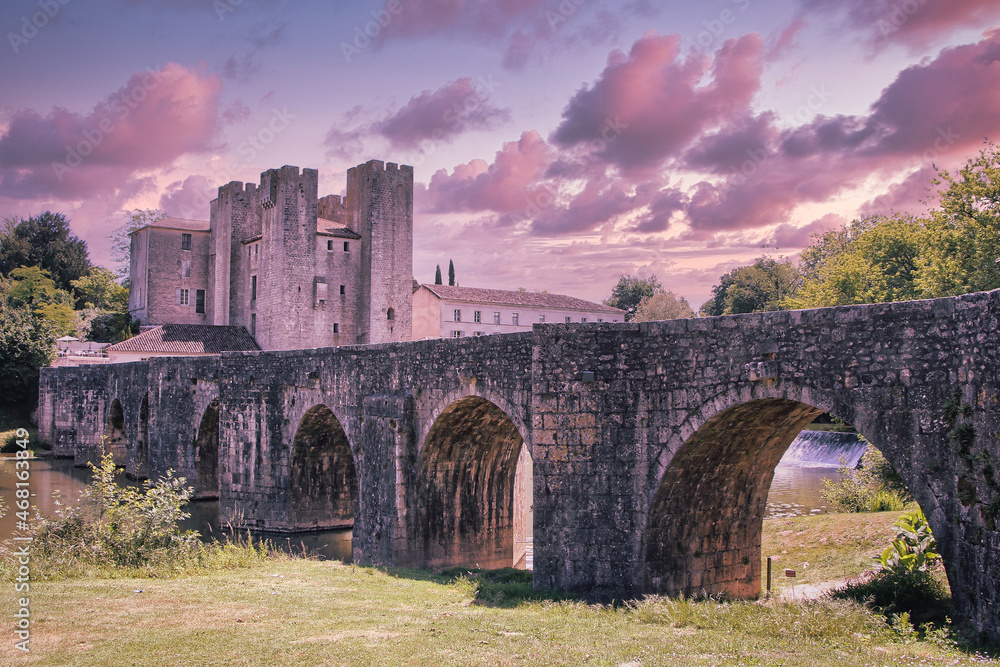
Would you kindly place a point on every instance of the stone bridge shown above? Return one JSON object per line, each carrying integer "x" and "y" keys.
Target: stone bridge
{"x": 652, "y": 445}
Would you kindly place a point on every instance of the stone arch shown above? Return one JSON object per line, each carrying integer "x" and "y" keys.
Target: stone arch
{"x": 114, "y": 441}
{"x": 323, "y": 481}
{"x": 466, "y": 481}
{"x": 473, "y": 390}
{"x": 206, "y": 454}
{"x": 706, "y": 510}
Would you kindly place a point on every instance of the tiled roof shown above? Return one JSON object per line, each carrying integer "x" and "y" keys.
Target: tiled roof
{"x": 188, "y": 339}
{"x": 331, "y": 228}
{"x": 178, "y": 223}
{"x": 527, "y": 299}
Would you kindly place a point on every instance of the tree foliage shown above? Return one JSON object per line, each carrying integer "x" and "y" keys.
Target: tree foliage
{"x": 763, "y": 285}
{"x": 121, "y": 242}
{"x": 437, "y": 275}
{"x": 44, "y": 241}
{"x": 664, "y": 305}
{"x": 630, "y": 291}
{"x": 101, "y": 290}
{"x": 451, "y": 272}
{"x": 26, "y": 344}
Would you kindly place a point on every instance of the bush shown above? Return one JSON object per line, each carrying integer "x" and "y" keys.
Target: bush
{"x": 874, "y": 486}
{"x": 893, "y": 592}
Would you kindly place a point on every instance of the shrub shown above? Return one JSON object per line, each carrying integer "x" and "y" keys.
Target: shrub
{"x": 894, "y": 591}
{"x": 874, "y": 486}
{"x": 914, "y": 548}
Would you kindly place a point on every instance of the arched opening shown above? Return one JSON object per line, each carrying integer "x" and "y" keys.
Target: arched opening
{"x": 141, "y": 470}
{"x": 323, "y": 482}
{"x": 206, "y": 454}
{"x": 114, "y": 434}
{"x": 390, "y": 314}
{"x": 704, "y": 528}
{"x": 474, "y": 506}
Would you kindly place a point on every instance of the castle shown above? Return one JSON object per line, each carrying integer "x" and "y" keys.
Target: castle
{"x": 297, "y": 271}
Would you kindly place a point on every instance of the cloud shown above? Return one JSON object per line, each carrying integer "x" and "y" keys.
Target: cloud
{"x": 189, "y": 199}
{"x": 155, "y": 118}
{"x": 649, "y": 105}
{"x": 914, "y": 23}
{"x": 442, "y": 114}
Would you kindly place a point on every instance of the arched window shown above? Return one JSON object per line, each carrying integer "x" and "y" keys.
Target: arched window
{"x": 390, "y": 314}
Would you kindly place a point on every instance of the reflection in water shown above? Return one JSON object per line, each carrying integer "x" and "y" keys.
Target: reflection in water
{"x": 59, "y": 475}
{"x": 796, "y": 489}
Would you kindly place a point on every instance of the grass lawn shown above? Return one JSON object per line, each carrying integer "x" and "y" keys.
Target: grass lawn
{"x": 309, "y": 612}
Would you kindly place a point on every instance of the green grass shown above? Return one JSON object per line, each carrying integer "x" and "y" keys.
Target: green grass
{"x": 293, "y": 611}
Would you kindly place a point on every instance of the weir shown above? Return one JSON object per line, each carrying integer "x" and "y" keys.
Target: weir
{"x": 827, "y": 448}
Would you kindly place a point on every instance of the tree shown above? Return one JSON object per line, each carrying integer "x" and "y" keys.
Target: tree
{"x": 761, "y": 286}
{"x": 46, "y": 242}
{"x": 662, "y": 306}
{"x": 630, "y": 291}
{"x": 100, "y": 290}
{"x": 437, "y": 275}
{"x": 451, "y": 272}
{"x": 121, "y": 241}
{"x": 26, "y": 344}
{"x": 32, "y": 287}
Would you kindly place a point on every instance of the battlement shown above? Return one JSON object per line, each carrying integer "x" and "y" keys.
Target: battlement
{"x": 332, "y": 207}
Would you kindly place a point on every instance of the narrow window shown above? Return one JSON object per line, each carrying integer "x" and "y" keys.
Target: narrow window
{"x": 186, "y": 268}
{"x": 185, "y": 241}
{"x": 600, "y": 319}
{"x": 513, "y": 319}
{"x": 583, "y": 319}
{"x": 347, "y": 246}
{"x": 253, "y": 288}
{"x": 477, "y": 316}
{"x": 329, "y": 245}
{"x": 253, "y": 324}
{"x": 343, "y": 289}
{"x": 390, "y": 314}
{"x": 336, "y": 327}
{"x": 199, "y": 301}
{"x": 541, "y": 319}
{"x": 458, "y": 314}
{"x": 568, "y": 319}
{"x": 249, "y": 252}
{"x": 496, "y": 318}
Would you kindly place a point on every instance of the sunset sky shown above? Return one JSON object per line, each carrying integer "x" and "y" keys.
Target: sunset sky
{"x": 556, "y": 144}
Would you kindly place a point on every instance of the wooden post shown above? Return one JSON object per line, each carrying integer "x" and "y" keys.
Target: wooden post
{"x": 768, "y": 575}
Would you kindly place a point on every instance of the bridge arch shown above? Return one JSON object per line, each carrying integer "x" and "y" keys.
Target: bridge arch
{"x": 706, "y": 509}
{"x": 140, "y": 463}
{"x": 205, "y": 453}
{"x": 473, "y": 456}
{"x": 323, "y": 480}
{"x": 114, "y": 440}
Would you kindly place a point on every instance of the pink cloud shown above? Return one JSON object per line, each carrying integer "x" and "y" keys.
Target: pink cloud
{"x": 914, "y": 194}
{"x": 189, "y": 199}
{"x": 916, "y": 23}
{"x": 510, "y": 184}
{"x": 649, "y": 105}
{"x": 149, "y": 122}
{"x": 440, "y": 115}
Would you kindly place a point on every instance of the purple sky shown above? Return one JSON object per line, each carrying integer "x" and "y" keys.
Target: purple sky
{"x": 556, "y": 144}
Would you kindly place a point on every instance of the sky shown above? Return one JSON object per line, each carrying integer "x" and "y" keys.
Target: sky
{"x": 556, "y": 144}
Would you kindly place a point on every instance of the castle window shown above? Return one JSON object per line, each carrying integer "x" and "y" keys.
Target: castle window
{"x": 496, "y": 318}
{"x": 253, "y": 288}
{"x": 347, "y": 246}
{"x": 186, "y": 268}
{"x": 199, "y": 301}
{"x": 583, "y": 319}
{"x": 458, "y": 314}
{"x": 514, "y": 319}
{"x": 336, "y": 327}
{"x": 343, "y": 289}
{"x": 253, "y": 324}
{"x": 541, "y": 319}
{"x": 568, "y": 319}
{"x": 390, "y": 314}
{"x": 477, "y": 316}
{"x": 182, "y": 297}
{"x": 329, "y": 245}
{"x": 249, "y": 252}
{"x": 185, "y": 241}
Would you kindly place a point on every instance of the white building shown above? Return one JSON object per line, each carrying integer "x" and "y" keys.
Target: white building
{"x": 442, "y": 311}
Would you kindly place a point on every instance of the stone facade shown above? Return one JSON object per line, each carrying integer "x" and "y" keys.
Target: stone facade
{"x": 652, "y": 445}
{"x": 295, "y": 270}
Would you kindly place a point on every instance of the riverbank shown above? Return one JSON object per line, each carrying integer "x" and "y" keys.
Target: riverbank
{"x": 310, "y": 612}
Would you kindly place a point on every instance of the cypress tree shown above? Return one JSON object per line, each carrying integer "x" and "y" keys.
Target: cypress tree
{"x": 451, "y": 272}
{"x": 437, "y": 275}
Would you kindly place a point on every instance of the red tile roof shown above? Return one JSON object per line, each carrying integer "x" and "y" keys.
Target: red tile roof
{"x": 525, "y": 299}
{"x": 188, "y": 339}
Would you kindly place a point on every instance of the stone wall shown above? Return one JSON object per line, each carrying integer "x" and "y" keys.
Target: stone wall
{"x": 653, "y": 444}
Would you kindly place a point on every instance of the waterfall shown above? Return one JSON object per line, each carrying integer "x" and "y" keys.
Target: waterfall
{"x": 824, "y": 448}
